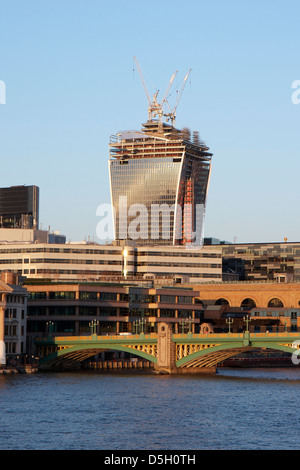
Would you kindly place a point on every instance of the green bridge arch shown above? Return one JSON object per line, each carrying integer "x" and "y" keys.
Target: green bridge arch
{"x": 80, "y": 352}
{"x": 230, "y": 349}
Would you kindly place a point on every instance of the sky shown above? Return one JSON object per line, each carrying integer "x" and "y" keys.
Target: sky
{"x": 71, "y": 82}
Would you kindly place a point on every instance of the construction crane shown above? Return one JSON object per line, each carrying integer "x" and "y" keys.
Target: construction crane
{"x": 172, "y": 114}
{"x": 155, "y": 108}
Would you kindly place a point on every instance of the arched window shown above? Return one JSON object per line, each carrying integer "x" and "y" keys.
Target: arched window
{"x": 275, "y": 303}
{"x": 248, "y": 303}
{"x": 222, "y": 302}
{"x": 199, "y": 302}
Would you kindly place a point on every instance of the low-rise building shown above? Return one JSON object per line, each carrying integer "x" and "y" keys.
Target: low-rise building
{"x": 261, "y": 261}
{"x": 80, "y": 308}
{"x": 13, "y": 318}
{"x": 92, "y": 262}
{"x": 271, "y": 306}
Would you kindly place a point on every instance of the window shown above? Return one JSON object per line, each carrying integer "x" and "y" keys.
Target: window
{"x": 61, "y": 310}
{"x": 167, "y": 299}
{"x": 108, "y": 296}
{"x": 88, "y": 311}
{"x": 185, "y": 300}
{"x": 275, "y": 303}
{"x": 88, "y": 296}
{"x": 222, "y": 302}
{"x": 37, "y": 295}
{"x": 248, "y": 304}
{"x": 62, "y": 295}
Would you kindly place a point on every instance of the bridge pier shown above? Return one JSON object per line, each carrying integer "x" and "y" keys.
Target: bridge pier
{"x": 166, "y": 355}
{"x": 166, "y": 350}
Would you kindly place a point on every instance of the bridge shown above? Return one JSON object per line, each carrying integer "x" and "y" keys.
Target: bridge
{"x": 171, "y": 353}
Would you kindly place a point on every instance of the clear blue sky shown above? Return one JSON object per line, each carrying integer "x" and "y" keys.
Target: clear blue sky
{"x": 71, "y": 83}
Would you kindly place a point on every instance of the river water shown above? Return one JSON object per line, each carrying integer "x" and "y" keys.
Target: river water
{"x": 235, "y": 409}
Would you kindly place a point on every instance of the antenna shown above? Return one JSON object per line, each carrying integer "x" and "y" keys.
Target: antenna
{"x": 155, "y": 108}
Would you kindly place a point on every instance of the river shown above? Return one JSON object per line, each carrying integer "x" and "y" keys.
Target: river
{"x": 235, "y": 409}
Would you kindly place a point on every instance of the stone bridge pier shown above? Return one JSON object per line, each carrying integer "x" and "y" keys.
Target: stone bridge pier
{"x": 166, "y": 350}
{"x": 166, "y": 355}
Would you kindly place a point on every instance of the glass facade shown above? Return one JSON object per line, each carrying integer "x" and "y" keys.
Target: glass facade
{"x": 19, "y": 207}
{"x": 144, "y": 183}
{"x": 159, "y": 181}
{"x": 262, "y": 261}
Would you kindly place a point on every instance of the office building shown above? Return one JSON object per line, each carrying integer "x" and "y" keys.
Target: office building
{"x": 262, "y": 261}
{"x": 19, "y": 207}
{"x": 92, "y": 262}
{"x": 159, "y": 179}
{"x": 70, "y": 308}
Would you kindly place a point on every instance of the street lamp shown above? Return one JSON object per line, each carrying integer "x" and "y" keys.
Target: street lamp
{"x": 93, "y": 325}
{"x": 142, "y": 323}
{"x": 186, "y": 322}
{"x": 137, "y": 326}
{"x": 247, "y": 320}
{"x": 229, "y": 321}
{"x": 50, "y": 326}
{"x": 190, "y": 321}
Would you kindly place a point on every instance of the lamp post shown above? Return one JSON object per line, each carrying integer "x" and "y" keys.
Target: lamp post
{"x": 229, "y": 321}
{"x": 93, "y": 325}
{"x": 190, "y": 321}
{"x": 135, "y": 327}
{"x": 50, "y": 326}
{"x": 142, "y": 322}
{"x": 247, "y": 320}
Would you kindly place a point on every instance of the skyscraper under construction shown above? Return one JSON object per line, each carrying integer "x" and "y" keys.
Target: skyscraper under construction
{"x": 159, "y": 179}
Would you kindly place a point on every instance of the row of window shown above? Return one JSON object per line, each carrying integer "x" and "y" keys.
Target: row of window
{"x": 249, "y": 303}
{"x": 111, "y": 296}
{"x": 15, "y": 299}
{"x": 111, "y": 273}
{"x": 293, "y": 315}
{"x": 110, "y": 311}
{"x": 180, "y": 265}
{"x": 11, "y": 313}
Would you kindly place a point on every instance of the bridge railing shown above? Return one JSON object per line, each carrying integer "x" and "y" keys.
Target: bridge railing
{"x": 107, "y": 338}
{"x": 176, "y": 336}
{"x": 237, "y": 335}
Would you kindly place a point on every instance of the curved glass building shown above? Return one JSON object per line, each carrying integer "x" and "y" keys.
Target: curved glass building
{"x": 159, "y": 179}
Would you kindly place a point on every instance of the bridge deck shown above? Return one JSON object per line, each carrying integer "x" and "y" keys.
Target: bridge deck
{"x": 175, "y": 337}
